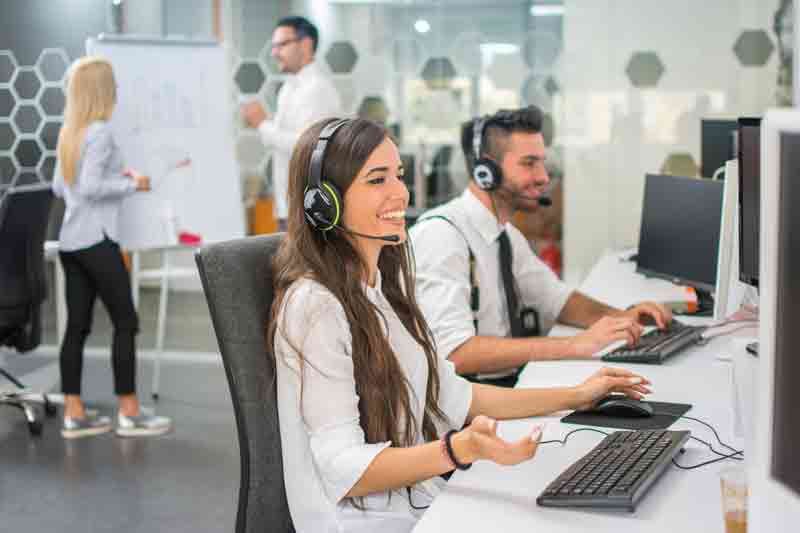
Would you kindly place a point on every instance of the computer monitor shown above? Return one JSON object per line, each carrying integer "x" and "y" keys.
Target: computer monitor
{"x": 749, "y": 198}
{"x": 718, "y": 139}
{"x": 774, "y": 474}
{"x": 728, "y": 292}
{"x": 679, "y": 235}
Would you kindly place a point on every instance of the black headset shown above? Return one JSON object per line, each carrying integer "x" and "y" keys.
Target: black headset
{"x": 486, "y": 172}
{"x": 322, "y": 201}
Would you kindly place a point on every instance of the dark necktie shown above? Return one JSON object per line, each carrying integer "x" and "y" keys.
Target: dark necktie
{"x": 506, "y": 258}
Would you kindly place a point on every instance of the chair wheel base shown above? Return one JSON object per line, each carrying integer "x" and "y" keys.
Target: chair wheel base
{"x": 35, "y": 428}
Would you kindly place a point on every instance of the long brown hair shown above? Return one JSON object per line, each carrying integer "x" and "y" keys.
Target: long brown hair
{"x": 332, "y": 260}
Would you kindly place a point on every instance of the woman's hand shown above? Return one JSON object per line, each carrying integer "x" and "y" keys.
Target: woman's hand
{"x": 479, "y": 440}
{"x": 142, "y": 181}
{"x": 604, "y": 332}
{"x": 608, "y": 380}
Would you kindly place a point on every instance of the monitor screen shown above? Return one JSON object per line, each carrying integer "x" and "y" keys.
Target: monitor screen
{"x": 679, "y": 236}
{"x": 749, "y": 198}
{"x": 786, "y": 415}
{"x": 718, "y": 138}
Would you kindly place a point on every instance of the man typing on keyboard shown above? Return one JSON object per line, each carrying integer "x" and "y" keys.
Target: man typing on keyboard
{"x": 486, "y": 296}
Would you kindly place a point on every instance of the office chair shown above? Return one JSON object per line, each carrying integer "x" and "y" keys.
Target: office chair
{"x": 237, "y": 280}
{"x": 440, "y": 183}
{"x": 23, "y": 221}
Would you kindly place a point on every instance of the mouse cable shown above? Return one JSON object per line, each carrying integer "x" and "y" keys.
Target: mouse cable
{"x": 698, "y": 465}
{"x": 564, "y": 440}
{"x": 709, "y": 426}
{"x": 737, "y": 455}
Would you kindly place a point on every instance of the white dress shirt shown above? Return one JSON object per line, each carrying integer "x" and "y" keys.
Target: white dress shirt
{"x": 93, "y": 201}
{"x": 323, "y": 445}
{"x": 443, "y": 284}
{"x": 303, "y": 99}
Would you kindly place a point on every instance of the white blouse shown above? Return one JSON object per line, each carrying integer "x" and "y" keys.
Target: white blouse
{"x": 323, "y": 445}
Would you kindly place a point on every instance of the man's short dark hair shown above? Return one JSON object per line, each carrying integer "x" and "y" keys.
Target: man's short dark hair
{"x": 302, "y": 27}
{"x": 496, "y": 131}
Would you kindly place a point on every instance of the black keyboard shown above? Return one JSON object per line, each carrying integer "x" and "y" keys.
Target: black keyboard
{"x": 617, "y": 472}
{"x": 657, "y": 345}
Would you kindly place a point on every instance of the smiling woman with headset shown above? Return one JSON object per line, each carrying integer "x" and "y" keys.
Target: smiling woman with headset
{"x": 370, "y": 417}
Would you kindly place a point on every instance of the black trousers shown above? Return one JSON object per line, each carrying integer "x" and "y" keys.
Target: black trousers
{"x": 98, "y": 271}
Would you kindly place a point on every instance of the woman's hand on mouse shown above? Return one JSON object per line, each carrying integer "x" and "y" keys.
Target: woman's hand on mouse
{"x": 608, "y": 380}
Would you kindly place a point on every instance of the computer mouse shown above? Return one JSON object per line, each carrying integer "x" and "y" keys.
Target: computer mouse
{"x": 620, "y": 405}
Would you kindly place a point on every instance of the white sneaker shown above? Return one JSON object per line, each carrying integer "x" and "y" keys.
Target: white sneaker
{"x": 142, "y": 425}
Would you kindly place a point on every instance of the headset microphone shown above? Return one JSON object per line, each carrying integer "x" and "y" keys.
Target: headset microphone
{"x": 387, "y": 238}
{"x": 543, "y": 201}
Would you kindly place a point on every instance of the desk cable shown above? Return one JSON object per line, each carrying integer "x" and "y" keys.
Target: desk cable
{"x": 737, "y": 455}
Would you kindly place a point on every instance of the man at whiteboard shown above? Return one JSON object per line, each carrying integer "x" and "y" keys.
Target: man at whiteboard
{"x": 306, "y": 96}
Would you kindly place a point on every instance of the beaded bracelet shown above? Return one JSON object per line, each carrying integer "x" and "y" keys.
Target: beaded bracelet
{"x": 448, "y": 437}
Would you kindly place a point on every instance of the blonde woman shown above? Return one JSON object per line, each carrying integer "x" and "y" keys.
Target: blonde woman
{"x": 93, "y": 182}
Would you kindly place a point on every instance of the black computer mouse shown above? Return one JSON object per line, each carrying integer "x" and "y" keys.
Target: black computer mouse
{"x": 620, "y": 405}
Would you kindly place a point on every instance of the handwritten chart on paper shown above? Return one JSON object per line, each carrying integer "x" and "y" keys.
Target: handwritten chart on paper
{"x": 173, "y": 123}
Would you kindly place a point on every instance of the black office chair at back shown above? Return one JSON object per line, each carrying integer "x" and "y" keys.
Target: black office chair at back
{"x": 439, "y": 179}
{"x": 238, "y": 285}
{"x": 23, "y": 222}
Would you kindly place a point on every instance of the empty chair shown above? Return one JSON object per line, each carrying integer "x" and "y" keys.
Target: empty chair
{"x": 23, "y": 221}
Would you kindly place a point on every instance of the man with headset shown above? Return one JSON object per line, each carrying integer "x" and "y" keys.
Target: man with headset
{"x": 485, "y": 294}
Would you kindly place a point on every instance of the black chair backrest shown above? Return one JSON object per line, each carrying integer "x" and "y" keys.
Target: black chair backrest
{"x": 23, "y": 222}
{"x": 237, "y": 280}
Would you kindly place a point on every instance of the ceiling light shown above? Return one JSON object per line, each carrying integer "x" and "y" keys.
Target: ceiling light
{"x": 422, "y": 26}
{"x": 547, "y": 10}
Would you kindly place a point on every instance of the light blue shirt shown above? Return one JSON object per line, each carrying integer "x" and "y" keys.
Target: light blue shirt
{"x": 94, "y": 199}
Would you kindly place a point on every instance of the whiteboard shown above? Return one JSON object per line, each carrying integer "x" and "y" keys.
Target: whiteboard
{"x": 173, "y": 122}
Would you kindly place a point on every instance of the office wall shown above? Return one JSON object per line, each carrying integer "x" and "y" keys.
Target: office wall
{"x": 613, "y": 132}
{"x": 626, "y": 82}
{"x": 38, "y": 39}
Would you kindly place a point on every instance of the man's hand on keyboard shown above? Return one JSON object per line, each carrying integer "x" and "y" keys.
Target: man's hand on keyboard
{"x": 608, "y": 380}
{"x": 648, "y": 313}
{"x": 604, "y": 332}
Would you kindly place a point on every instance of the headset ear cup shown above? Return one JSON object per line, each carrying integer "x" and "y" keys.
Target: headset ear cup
{"x": 487, "y": 174}
{"x": 322, "y": 206}
{"x": 335, "y": 205}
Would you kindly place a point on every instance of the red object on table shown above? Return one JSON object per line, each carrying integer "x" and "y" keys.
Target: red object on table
{"x": 190, "y": 239}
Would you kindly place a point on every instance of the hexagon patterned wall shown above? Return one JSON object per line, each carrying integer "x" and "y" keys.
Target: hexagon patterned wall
{"x": 341, "y": 57}
{"x": 31, "y": 113}
{"x": 438, "y": 72}
{"x": 644, "y": 69}
{"x": 753, "y": 48}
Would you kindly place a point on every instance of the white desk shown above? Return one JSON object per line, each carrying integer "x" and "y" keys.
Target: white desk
{"x": 490, "y": 497}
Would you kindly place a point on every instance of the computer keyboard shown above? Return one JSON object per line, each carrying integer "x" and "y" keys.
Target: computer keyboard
{"x": 657, "y": 345}
{"x": 617, "y": 472}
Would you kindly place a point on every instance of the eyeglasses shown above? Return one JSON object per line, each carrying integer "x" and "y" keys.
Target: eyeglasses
{"x": 281, "y": 44}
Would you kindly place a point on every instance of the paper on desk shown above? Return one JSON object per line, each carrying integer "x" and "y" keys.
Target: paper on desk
{"x": 619, "y": 344}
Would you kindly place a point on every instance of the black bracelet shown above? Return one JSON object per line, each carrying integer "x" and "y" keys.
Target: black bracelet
{"x": 448, "y": 444}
